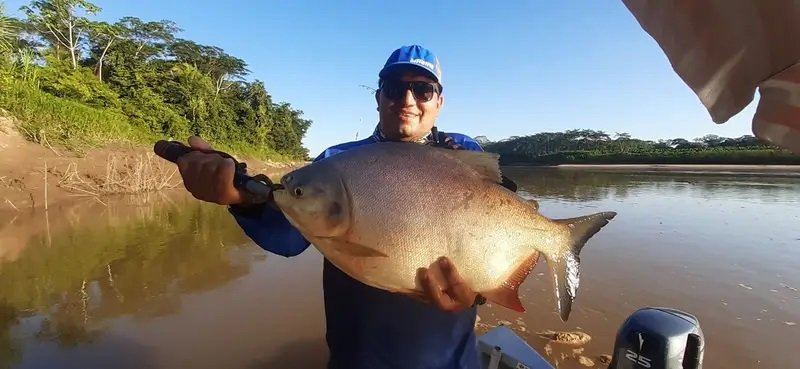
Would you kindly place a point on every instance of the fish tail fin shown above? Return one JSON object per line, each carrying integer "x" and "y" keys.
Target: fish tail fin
{"x": 507, "y": 295}
{"x": 565, "y": 266}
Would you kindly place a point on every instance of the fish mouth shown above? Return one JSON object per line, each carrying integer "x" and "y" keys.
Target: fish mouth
{"x": 279, "y": 189}
{"x": 276, "y": 189}
{"x": 280, "y": 197}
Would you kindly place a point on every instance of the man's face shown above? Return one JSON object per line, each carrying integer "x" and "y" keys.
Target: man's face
{"x": 407, "y": 118}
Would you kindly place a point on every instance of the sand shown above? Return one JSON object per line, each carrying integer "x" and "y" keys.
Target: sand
{"x": 33, "y": 176}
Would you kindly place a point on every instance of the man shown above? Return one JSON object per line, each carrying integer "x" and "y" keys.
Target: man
{"x": 368, "y": 327}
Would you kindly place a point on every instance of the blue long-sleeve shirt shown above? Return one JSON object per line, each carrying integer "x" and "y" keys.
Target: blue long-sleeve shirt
{"x": 371, "y": 328}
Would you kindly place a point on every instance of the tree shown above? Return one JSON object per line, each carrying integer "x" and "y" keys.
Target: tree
{"x": 147, "y": 78}
{"x": 482, "y": 140}
{"x": 210, "y": 60}
{"x": 102, "y": 36}
{"x": 59, "y": 22}
{"x": 151, "y": 39}
{"x": 7, "y": 32}
{"x": 622, "y": 138}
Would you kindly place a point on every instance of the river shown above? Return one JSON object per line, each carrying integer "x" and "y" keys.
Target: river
{"x": 165, "y": 281}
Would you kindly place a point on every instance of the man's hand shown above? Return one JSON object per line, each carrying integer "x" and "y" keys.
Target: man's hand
{"x": 209, "y": 176}
{"x": 444, "y": 288}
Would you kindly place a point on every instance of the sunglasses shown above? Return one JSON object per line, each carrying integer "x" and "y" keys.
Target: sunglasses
{"x": 422, "y": 91}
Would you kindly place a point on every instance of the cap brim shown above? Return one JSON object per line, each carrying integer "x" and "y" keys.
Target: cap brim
{"x": 400, "y": 67}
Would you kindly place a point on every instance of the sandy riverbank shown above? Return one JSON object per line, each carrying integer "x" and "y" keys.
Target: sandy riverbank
{"x": 34, "y": 175}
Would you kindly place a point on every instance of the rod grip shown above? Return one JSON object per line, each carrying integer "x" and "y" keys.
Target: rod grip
{"x": 171, "y": 150}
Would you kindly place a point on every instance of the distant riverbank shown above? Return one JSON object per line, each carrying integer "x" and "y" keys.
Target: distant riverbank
{"x": 674, "y": 167}
{"x": 711, "y": 169}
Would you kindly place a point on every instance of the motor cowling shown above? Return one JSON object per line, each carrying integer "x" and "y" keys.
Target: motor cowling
{"x": 659, "y": 338}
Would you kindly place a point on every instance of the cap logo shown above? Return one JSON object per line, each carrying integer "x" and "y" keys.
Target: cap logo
{"x": 423, "y": 62}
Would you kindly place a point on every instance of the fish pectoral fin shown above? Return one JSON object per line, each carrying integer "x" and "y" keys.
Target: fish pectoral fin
{"x": 533, "y": 203}
{"x": 354, "y": 249}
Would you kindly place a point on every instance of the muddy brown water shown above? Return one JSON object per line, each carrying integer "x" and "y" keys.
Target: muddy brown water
{"x": 166, "y": 281}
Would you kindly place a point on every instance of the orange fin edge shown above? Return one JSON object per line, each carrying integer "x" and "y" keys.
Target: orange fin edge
{"x": 507, "y": 295}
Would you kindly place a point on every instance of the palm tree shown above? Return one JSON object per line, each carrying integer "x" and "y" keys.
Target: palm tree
{"x": 6, "y": 31}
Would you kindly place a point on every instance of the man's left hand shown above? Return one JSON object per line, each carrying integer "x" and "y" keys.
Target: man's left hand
{"x": 444, "y": 288}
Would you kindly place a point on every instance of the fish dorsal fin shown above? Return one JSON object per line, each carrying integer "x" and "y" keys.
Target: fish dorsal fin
{"x": 486, "y": 164}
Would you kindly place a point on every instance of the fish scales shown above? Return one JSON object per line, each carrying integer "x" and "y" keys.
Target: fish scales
{"x": 383, "y": 211}
{"x": 438, "y": 209}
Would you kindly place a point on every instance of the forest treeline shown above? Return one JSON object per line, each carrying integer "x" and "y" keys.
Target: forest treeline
{"x": 585, "y": 146}
{"x": 78, "y": 81}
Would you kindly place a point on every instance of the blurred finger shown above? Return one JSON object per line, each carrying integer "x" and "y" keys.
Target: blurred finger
{"x": 187, "y": 167}
{"x": 198, "y": 143}
{"x": 421, "y": 295}
{"x": 224, "y": 181}
{"x": 457, "y": 287}
{"x": 434, "y": 291}
{"x": 208, "y": 177}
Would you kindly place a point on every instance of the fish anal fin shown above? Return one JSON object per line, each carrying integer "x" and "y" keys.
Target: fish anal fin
{"x": 486, "y": 164}
{"x": 354, "y": 249}
{"x": 507, "y": 295}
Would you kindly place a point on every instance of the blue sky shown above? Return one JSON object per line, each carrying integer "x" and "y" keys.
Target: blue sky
{"x": 517, "y": 69}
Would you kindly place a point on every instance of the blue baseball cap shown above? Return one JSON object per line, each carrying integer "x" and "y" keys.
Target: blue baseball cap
{"x": 413, "y": 56}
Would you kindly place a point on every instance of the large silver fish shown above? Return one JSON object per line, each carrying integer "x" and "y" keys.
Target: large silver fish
{"x": 382, "y": 211}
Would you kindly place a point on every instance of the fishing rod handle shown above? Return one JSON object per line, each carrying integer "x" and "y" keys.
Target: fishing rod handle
{"x": 171, "y": 150}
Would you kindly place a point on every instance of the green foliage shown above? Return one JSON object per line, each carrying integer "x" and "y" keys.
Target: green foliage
{"x": 80, "y": 84}
{"x": 47, "y": 118}
{"x": 139, "y": 81}
{"x": 7, "y": 32}
{"x": 597, "y": 147}
{"x": 147, "y": 109}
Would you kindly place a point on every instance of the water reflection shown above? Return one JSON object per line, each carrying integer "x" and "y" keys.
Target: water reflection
{"x": 573, "y": 185}
{"x": 169, "y": 282}
{"x": 109, "y": 261}
{"x": 9, "y": 350}
{"x": 720, "y": 246}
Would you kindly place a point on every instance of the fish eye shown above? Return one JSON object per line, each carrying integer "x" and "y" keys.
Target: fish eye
{"x": 298, "y": 191}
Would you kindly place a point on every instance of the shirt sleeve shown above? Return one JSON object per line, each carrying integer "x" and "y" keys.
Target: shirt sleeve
{"x": 472, "y": 145}
{"x": 270, "y": 229}
{"x": 272, "y": 232}
{"x": 467, "y": 143}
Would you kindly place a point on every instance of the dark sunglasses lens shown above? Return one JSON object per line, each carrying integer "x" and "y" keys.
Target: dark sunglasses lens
{"x": 422, "y": 90}
{"x": 394, "y": 90}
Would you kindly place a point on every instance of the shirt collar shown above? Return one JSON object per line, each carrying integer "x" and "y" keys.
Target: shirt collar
{"x": 378, "y": 136}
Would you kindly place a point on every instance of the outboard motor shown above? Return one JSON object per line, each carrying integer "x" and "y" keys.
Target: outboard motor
{"x": 658, "y": 338}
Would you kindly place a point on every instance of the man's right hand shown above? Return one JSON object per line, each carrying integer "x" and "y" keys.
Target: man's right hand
{"x": 209, "y": 176}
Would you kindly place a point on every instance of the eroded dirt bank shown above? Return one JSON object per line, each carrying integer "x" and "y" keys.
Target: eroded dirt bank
{"x": 35, "y": 176}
